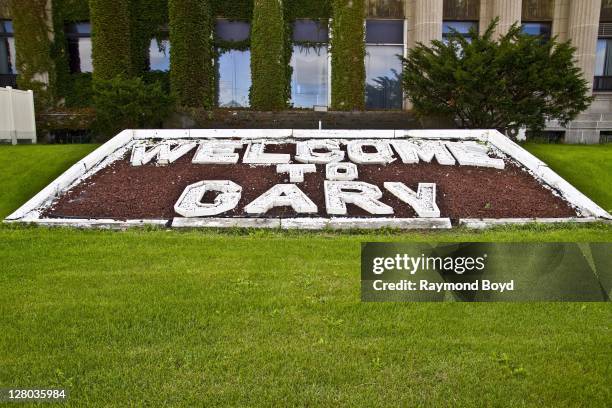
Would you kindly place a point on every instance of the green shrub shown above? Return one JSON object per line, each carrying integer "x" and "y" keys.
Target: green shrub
{"x": 111, "y": 48}
{"x": 348, "y": 55}
{"x": 129, "y": 104}
{"x": 268, "y": 57}
{"x": 489, "y": 83}
{"x": 191, "y": 69}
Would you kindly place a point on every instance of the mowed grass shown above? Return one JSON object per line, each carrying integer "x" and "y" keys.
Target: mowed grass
{"x": 268, "y": 318}
{"x": 588, "y": 168}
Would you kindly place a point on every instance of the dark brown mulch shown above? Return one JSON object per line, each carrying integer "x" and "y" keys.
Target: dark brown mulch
{"x": 121, "y": 191}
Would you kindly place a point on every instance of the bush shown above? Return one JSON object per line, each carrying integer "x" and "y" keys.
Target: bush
{"x": 505, "y": 84}
{"x": 129, "y": 104}
{"x": 268, "y": 60}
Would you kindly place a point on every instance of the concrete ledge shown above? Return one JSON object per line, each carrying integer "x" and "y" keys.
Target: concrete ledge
{"x": 482, "y": 223}
{"x": 314, "y": 223}
{"x": 93, "y": 223}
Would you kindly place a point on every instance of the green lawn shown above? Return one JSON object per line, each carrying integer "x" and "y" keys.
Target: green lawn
{"x": 267, "y": 318}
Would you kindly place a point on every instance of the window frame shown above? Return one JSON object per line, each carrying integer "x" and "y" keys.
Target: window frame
{"x": 8, "y": 35}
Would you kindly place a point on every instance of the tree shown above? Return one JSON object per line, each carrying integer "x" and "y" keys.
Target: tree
{"x": 505, "y": 84}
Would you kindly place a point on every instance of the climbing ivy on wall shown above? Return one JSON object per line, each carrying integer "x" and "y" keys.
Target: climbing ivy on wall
{"x": 348, "y": 55}
{"x": 111, "y": 40}
{"x": 147, "y": 17}
{"x": 268, "y": 57}
{"x": 32, "y": 22}
{"x": 191, "y": 63}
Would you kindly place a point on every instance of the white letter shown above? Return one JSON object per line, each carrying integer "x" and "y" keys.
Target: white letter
{"x": 217, "y": 152}
{"x": 411, "y": 151}
{"x": 160, "y": 151}
{"x": 341, "y": 171}
{"x": 473, "y": 154}
{"x": 190, "y": 202}
{"x": 282, "y": 195}
{"x": 296, "y": 171}
{"x": 305, "y": 151}
{"x": 383, "y": 154}
{"x": 366, "y": 197}
{"x": 423, "y": 201}
{"x": 255, "y": 154}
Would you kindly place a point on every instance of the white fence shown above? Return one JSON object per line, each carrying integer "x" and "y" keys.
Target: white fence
{"x": 17, "y": 120}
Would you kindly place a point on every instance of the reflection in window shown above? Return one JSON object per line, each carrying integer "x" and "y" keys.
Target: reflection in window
{"x": 603, "y": 58}
{"x": 78, "y": 36}
{"x": 309, "y": 63}
{"x": 7, "y": 48}
{"x": 537, "y": 29}
{"x": 384, "y": 48}
{"x": 159, "y": 55}
{"x": 309, "y": 77}
{"x": 461, "y": 27}
{"x": 234, "y": 78}
{"x": 234, "y": 66}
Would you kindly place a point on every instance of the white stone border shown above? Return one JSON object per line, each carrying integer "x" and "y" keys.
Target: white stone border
{"x": 314, "y": 223}
{"x": 31, "y": 210}
{"x": 482, "y": 223}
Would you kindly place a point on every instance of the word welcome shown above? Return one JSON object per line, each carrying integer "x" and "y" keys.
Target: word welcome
{"x": 318, "y": 151}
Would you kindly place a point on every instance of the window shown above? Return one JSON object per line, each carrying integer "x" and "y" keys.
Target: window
{"x": 234, "y": 66}
{"x": 309, "y": 63}
{"x": 537, "y": 10}
{"x": 603, "y": 65}
{"x": 384, "y": 47}
{"x": 461, "y": 10}
{"x": 537, "y": 29}
{"x": 159, "y": 54}
{"x": 462, "y": 27}
{"x": 79, "y": 47}
{"x": 7, "y": 48}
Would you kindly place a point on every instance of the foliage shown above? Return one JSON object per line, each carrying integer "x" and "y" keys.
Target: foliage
{"x": 129, "y": 104}
{"x": 79, "y": 92}
{"x": 111, "y": 42}
{"x": 515, "y": 81}
{"x": 348, "y": 55}
{"x": 191, "y": 69}
{"x": 386, "y": 91}
{"x": 34, "y": 52}
{"x": 147, "y": 17}
{"x": 268, "y": 57}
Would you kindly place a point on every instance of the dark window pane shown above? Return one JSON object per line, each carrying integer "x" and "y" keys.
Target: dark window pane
{"x": 7, "y": 56}
{"x": 79, "y": 29}
{"x": 227, "y": 30}
{"x": 159, "y": 55}
{"x": 234, "y": 78}
{"x": 600, "y": 56}
{"x": 309, "y": 77}
{"x": 384, "y": 31}
{"x": 6, "y": 27}
{"x": 310, "y": 30}
{"x": 383, "y": 77}
{"x": 541, "y": 29}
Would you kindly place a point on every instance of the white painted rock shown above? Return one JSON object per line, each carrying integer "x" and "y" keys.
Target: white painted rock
{"x": 423, "y": 201}
{"x": 282, "y": 195}
{"x": 341, "y": 171}
{"x": 255, "y": 154}
{"x": 163, "y": 153}
{"x": 296, "y": 171}
{"x": 217, "y": 152}
{"x": 411, "y": 151}
{"x": 190, "y": 202}
{"x": 306, "y": 151}
{"x": 359, "y": 193}
{"x": 474, "y": 154}
{"x": 383, "y": 154}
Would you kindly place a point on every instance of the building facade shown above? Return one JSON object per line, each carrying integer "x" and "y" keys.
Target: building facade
{"x": 390, "y": 29}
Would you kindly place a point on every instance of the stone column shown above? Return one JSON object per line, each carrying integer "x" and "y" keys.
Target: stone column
{"x": 508, "y": 11}
{"x": 582, "y": 29}
{"x": 425, "y": 21}
{"x": 423, "y": 24}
